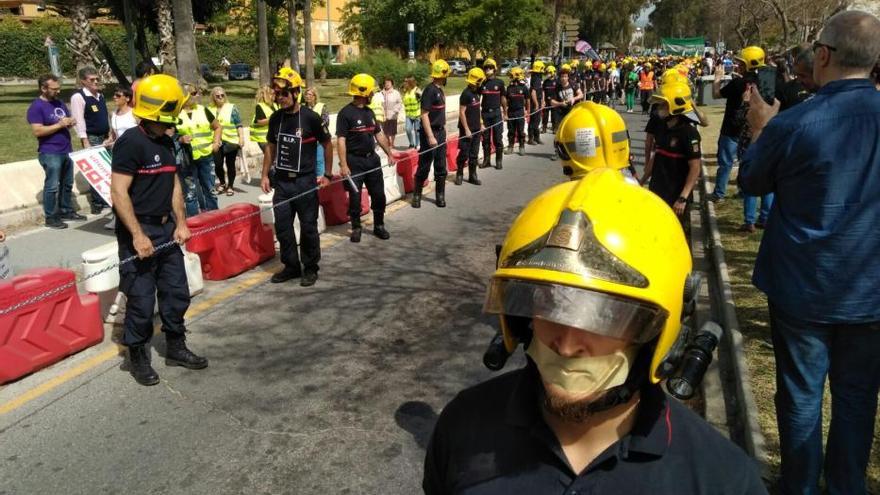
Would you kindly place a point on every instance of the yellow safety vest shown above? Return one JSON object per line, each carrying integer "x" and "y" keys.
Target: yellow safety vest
{"x": 411, "y": 104}
{"x": 259, "y": 132}
{"x": 196, "y": 124}
{"x": 377, "y": 108}
{"x": 230, "y": 130}
{"x": 319, "y": 107}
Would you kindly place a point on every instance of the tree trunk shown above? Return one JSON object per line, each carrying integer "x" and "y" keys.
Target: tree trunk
{"x": 291, "y": 22}
{"x": 167, "y": 52}
{"x": 140, "y": 41}
{"x": 739, "y": 26}
{"x": 187, "y": 57}
{"x": 782, "y": 17}
{"x": 117, "y": 71}
{"x": 263, "y": 33}
{"x": 557, "y": 27}
{"x": 83, "y": 47}
{"x": 307, "y": 35}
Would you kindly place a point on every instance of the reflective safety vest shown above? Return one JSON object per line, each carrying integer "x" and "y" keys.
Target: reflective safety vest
{"x": 230, "y": 130}
{"x": 376, "y": 105}
{"x": 259, "y": 132}
{"x": 646, "y": 81}
{"x": 318, "y": 108}
{"x": 195, "y": 123}
{"x": 411, "y": 104}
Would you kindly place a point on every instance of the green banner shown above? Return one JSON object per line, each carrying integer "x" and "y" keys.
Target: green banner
{"x": 683, "y": 46}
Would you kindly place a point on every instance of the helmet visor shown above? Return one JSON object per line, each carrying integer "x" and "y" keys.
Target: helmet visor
{"x": 588, "y": 310}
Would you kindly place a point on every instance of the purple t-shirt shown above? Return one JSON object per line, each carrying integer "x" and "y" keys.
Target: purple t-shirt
{"x": 49, "y": 113}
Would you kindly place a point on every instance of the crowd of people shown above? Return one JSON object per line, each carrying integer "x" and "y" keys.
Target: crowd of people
{"x": 600, "y": 320}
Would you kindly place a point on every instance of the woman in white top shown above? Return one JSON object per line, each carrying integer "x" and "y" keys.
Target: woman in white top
{"x": 122, "y": 119}
{"x": 393, "y": 104}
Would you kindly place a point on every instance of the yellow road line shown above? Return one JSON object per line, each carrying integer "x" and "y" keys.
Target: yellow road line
{"x": 109, "y": 354}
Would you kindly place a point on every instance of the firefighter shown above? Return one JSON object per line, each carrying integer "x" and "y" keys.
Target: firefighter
{"x": 432, "y": 135}
{"x": 148, "y": 202}
{"x": 357, "y": 133}
{"x": 550, "y": 114}
{"x": 494, "y": 113}
{"x": 517, "y": 100}
{"x": 469, "y": 127}
{"x": 536, "y": 102}
{"x": 592, "y": 136}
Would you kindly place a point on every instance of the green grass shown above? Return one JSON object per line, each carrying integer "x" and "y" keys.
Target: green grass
{"x": 740, "y": 250}
{"x": 17, "y": 143}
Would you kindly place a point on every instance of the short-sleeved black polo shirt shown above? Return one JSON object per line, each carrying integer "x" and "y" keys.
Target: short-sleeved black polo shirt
{"x": 153, "y": 166}
{"x": 471, "y": 101}
{"x": 296, "y": 137}
{"x": 358, "y": 127}
{"x": 516, "y": 99}
{"x": 673, "y": 148}
{"x": 733, "y": 93}
{"x": 491, "y": 439}
{"x": 492, "y": 91}
{"x": 434, "y": 102}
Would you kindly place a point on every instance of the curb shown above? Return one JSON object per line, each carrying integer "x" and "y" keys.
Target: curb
{"x": 744, "y": 425}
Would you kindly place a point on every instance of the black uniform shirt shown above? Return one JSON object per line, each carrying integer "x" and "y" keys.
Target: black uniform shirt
{"x": 549, "y": 86}
{"x": 434, "y": 102}
{"x": 358, "y": 127}
{"x": 790, "y": 94}
{"x": 471, "y": 101}
{"x": 535, "y": 85}
{"x": 562, "y": 95}
{"x": 492, "y": 439}
{"x": 516, "y": 98}
{"x": 153, "y": 166}
{"x": 296, "y": 137}
{"x": 673, "y": 147}
{"x": 492, "y": 91}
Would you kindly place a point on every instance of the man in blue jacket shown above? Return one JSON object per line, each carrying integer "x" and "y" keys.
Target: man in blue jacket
{"x": 819, "y": 260}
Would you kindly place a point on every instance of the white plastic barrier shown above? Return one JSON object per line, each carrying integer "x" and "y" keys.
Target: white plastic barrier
{"x": 267, "y": 215}
{"x": 393, "y": 184}
{"x": 99, "y": 258}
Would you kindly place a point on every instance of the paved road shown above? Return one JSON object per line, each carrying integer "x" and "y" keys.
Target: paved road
{"x": 332, "y": 389}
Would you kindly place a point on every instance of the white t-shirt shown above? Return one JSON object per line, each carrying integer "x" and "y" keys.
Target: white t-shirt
{"x": 122, "y": 123}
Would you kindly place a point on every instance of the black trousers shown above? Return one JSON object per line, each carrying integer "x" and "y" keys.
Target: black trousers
{"x": 535, "y": 125}
{"x": 516, "y": 126}
{"x": 493, "y": 133}
{"x": 550, "y": 115}
{"x": 468, "y": 151}
{"x": 227, "y": 153}
{"x": 142, "y": 279}
{"x": 436, "y": 156}
{"x": 306, "y": 208}
{"x": 375, "y": 187}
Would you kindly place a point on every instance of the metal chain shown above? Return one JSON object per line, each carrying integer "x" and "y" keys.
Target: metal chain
{"x": 161, "y": 247}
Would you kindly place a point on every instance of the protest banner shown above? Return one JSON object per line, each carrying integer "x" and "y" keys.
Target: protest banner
{"x": 94, "y": 164}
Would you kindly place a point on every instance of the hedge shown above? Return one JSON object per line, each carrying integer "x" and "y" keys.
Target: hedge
{"x": 24, "y": 55}
{"x": 379, "y": 63}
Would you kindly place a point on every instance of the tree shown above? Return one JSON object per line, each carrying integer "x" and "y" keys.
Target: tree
{"x": 263, "y": 29}
{"x": 307, "y": 39}
{"x": 167, "y": 50}
{"x": 382, "y": 23}
{"x": 81, "y": 43}
{"x": 187, "y": 56}
{"x": 294, "y": 36}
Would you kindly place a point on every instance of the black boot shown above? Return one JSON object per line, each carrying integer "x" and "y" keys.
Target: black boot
{"x": 472, "y": 174}
{"x": 486, "y": 161}
{"x": 355, "y": 230}
{"x": 507, "y": 151}
{"x": 139, "y": 358}
{"x": 380, "y": 232}
{"x": 177, "y": 354}
{"x": 441, "y": 192}
{"x": 522, "y": 150}
{"x": 498, "y": 160}
{"x": 530, "y": 141}
{"x": 417, "y": 195}
{"x": 538, "y": 139}
{"x": 459, "y": 175}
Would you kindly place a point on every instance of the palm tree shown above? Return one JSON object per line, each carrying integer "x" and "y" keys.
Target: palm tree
{"x": 187, "y": 56}
{"x": 291, "y": 20}
{"x": 263, "y": 33}
{"x": 307, "y": 39}
{"x": 81, "y": 42}
{"x": 165, "y": 22}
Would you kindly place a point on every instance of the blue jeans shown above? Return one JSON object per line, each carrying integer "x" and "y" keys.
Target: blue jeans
{"x": 319, "y": 164}
{"x": 750, "y": 204}
{"x": 413, "y": 124}
{"x": 59, "y": 179}
{"x": 726, "y": 154}
{"x": 203, "y": 179}
{"x": 806, "y": 353}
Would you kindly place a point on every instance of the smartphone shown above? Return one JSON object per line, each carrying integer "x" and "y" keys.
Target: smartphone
{"x": 764, "y": 79}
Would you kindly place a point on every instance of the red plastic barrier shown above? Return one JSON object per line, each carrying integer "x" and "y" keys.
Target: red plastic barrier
{"x": 407, "y": 164}
{"x": 44, "y": 332}
{"x": 451, "y": 152}
{"x": 234, "y": 248}
{"x": 334, "y": 200}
